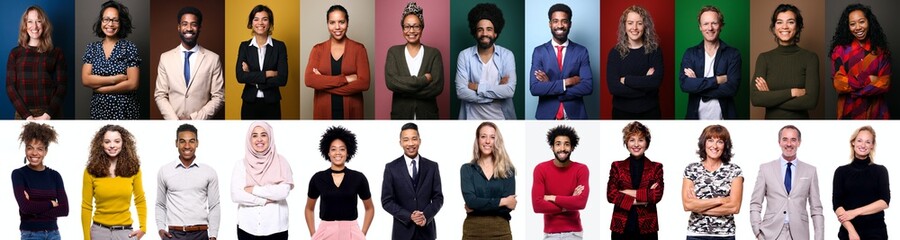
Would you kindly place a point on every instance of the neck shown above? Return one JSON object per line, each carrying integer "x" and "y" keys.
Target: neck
{"x": 413, "y": 46}
{"x": 338, "y": 168}
{"x": 789, "y": 159}
{"x": 411, "y": 156}
{"x": 109, "y": 39}
{"x": 335, "y": 41}
{"x": 486, "y": 160}
{"x": 711, "y": 44}
{"x": 39, "y": 167}
{"x": 187, "y": 162}
{"x": 786, "y": 44}
{"x": 560, "y": 41}
{"x": 862, "y": 157}
{"x": 486, "y": 51}
{"x": 558, "y": 163}
{"x": 34, "y": 42}
{"x": 712, "y": 161}
{"x": 189, "y": 47}
{"x": 635, "y": 44}
{"x": 261, "y": 39}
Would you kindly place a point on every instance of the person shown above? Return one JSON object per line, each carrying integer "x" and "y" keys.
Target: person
{"x": 202, "y": 94}
{"x": 711, "y": 71}
{"x": 554, "y": 81}
{"x": 560, "y": 188}
{"x": 861, "y": 65}
{"x": 712, "y": 188}
{"x": 262, "y": 66}
{"x": 634, "y": 67}
{"x": 338, "y": 209}
{"x": 260, "y": 184}
{"x": 488, "y": 184}
{"x": 111, "y": 66}
{"x": 112, "y": 176}
{"x": 787, "y": 185}
{"x": 414, "y": 72}
{"x": 38, "y": 189}
{"x": 338, "y": 70}
{"x": 36, "y": 70}
{"x": 183, "y": 186}
{"x": 486, "y": 73}
{"x": 411, "y": 189}
{"x": 786, "y": 80}
{"x": 861, "y": 190}
{"x": 635, "y": 186}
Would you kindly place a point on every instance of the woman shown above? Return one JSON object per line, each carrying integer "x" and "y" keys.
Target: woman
{"x": 861, "y": 190}
{"x": 862, "y": 65}
{"x": 111, "y": 66}
{"x": 260, "y": 184}
{"x": 635, "y": 67}
{"x": 338, "y": 209}
{"x": 635, "y": 186}
{"x": 413, "y": 71}
{"x": 488, "y": 185}
{"x": 39, "y": 190}
{"x": 112, "y": 177}
{"x": 262, "y": 67}
{"x": 36, "y": 70}
{"x": 338, "y": 69}
{"x": 712, "y": 188}
{"x": 787, "y": 77}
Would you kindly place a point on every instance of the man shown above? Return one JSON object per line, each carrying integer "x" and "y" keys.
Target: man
{"x": 189, "y": 82}
{"x": 560, "y": 187}
{"x": 187, "y": 193}
{"x": 411, "y": 190}
{"x": 561, "y": 85}
{"x": 787, "y": 184}
{"x": 486, "y": 72}
{"x": 711, "y": 71}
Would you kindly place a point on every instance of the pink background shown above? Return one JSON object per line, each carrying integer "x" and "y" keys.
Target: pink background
{"x": 436, "y": 34}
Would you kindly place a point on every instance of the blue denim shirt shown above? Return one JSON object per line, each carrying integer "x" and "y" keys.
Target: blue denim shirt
{"x": 468, "y": 69}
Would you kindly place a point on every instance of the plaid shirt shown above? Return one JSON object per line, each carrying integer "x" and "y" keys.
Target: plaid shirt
{"x": 36, "y": 80}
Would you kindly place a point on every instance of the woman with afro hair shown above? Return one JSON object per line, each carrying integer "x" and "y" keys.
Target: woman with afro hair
{"x": 39, "y": 190}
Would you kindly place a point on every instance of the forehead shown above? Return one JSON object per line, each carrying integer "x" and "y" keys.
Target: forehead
{"x": 261, "y": 14}
{"x": 411, "y": 18}
{"x": 561, "y": 138}
{"x": 559, "y": 15}
{"x": 484, "y": 23}
{"x": 188, "y": 17}
{"x": 258, "y": 130}
{"x": 112, "y": 135}
{"x": 111, "y": 12}
{"x": 633, "y": 16}
{"x": 487, "y": 129}
{"x": 709, "y": 15}
{"x": 336, "y": 15}
{"x": 789, "y": 132}
{"x": 786, "y": 15}
{"x": 409, "y": 133}
{"x": 35, "y": 143}
{"x": 857, "y": 14}
{"x": 337, "y": 142}
{"x": 186, "y": 135}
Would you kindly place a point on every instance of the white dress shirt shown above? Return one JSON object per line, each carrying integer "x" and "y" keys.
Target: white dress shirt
{"x": 261, "y": 50}
{"x": 254, "y": 214}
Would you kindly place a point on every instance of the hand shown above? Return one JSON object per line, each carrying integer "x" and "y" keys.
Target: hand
{"x": 136, "y": 234}
{"x": 690, "y": 73}
{"x": 629, "y": 192}
{"x": 271, "y": 73}
{"x": 121, "y": 78}
{"x": 651, "y": 71}
{"x": 550, "y": 198}
{"x": 468, "y": 210}
{"x": 26, "y": 195}
{"x": 245, "y": 67}
{"x": 351, "y": 78}
{"x": 572, "y": 81}
{"x": 873, "y": 78}
{"x": 30, "y": 118}
{"x": 622, "y": 80}
{"x": 316, "y": 71}
{"x": 55, "y": 203}
{"x": 853, "y": 236}
{"x": 541, "y": 76}
{"x": 248, "y": 189}
{"x": 798, "y": 92}
{"x": 428, "y": 77}
{"x": 721, "y": 79}
{"x": 654, "y": 186}
{"x": 504, "y": 80}
{"x": 163, "y": 234}
{"x": 761, "y": 84}
{"x": 184, "y": 117}
{"x": 847, "y": 215}
{"x": 578, "y": 190}
{"x": 44, "y": 116}
{"x": 473, "y": 86}
{"x": 509, "y": 202}
{"x": 418, "y": 218}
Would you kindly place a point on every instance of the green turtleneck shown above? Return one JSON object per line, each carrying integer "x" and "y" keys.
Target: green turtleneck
{"x": 783, "y": 68}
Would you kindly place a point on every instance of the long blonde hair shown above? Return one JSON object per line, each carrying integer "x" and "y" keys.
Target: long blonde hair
{"x": 503, "y": 166}
{"x": 856, "y": 134}
{"x": 46, "y": 38}
{"x": 651, "y": 40}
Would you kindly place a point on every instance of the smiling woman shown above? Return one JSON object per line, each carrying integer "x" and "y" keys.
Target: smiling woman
{"x": 712, "y": 188}
{"x": 37, "y": 92}
{"x": 111, "y": 65}
{"x": 861, "y": 65}
{"x": 35, "y": 185}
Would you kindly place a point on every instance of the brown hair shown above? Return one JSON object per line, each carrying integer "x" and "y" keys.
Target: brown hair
{"x": 503, "y": 167}
{"x": 856, "y": 134}
{"x": 46, "y": 38}
{"x": 635, "y": 128}
{"x": 711, "y": 8}
{"x": 37, "y": 131}
{"x": 128, "y": 163}
{"x": 715, "y": 131}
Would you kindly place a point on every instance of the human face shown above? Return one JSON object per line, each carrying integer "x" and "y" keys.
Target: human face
{"x": 337, "y": 25}
{"x": 714, "y": 148}
{"x": 187, "y": 145}
{"x": 409, "y": 140}
{"x": 863, "y": 144}
{"x": 785, "y": 27}
{"x": 261, "y": 24}
{"x": 34, "y": 25}
{"x": 112, "y": 143}
{"x": 710, "y": 26}
{"x": 110, "y": 22}
{"x": 337, "y": 153}
{"x": 189, "y": 30}
{"x": 859, "y": 25}
{"x": 412, "y": 29}
{"x": 486, "y": 137}
{"x": 789, "y": 140}
{"x": 35, "y": 151}
{"x": 634, "y": 27}
{"x": 559, "y": 26}
{"x": 259, "y": 138}
{"x": 562, "y": 148}
{"x": 484, "y": 34}
{"x": 636, "y": 145}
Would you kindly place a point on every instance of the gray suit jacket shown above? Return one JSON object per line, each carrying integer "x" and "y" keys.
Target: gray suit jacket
{"x": 770, "y": 188}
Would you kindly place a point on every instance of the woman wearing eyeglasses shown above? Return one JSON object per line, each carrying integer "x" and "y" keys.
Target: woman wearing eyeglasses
{"x": 413, "y": 71}
{"x": 111, "y": 65}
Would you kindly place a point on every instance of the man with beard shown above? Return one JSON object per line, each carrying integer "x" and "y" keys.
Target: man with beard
{"x": 411, "y": 190}
{"x": 561, "y": 71}
{"x": 486, "y": 72}
{"x": 187, "y": 193}
{"x": 189, "y": 82}
{"x": 560, "y": 187}
{"x": 787, "y": 185}
{"x": 711, "y": 71}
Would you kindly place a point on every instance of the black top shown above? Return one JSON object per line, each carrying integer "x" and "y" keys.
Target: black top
{"x": 337, "y": 101}
{"x": 37, "y": 213}
{"x": 858, "y": 184}
{"x": 640, "y": 93}
{"x": 339, "y": 203}
{"x": 637, "y": 169}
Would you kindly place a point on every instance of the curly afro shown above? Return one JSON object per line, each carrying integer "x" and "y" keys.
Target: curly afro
{"x": 334, "y": 133}
{"x": 562, "y": 130}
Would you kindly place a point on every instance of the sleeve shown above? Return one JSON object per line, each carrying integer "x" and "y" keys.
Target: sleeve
{"x": 88, "y": 53}
{"x": 276, "y": 192}
{"x": 133, "y": 58}
{"x": 619, "y": 199}
{"x": 507, "y": 69}
{"x": 238, "y": 182}
{"x": 473, "y": 201}
{"x": 60, "y": 78}
{"x": 216, "y": 93}
{"x": 771, "y": 98}
{"x": 161, "y": 192}
{"x": 251, "y": 77}
{"x": 161, "y": 94}
{"x": 884, "y": 185}
{"x": 436, "y": 195}
{"x": 140, "y": 202}
{"x": 586, "y": 85}
{"x": 282, "y": 67}
{"x": 313, "y": 191}
{"x": 577, "y": 202}
{"x": 363, "y": 76}
{"x": 538, "y": 190}
{"x": 840, "y": 80}
{"x": 882, "y": 82}
{"x": 27, "y": 206}
{"x": 757, "y": 199}
{"x": 811, "y": 99}
{"x": 652, "y": 81}
{"x": 815, "y": 208}
{"x": 462, "y": 82}
{"x": 398, "y": 82}
{"x": 539, "y": 88}
{"x": 62, "y": 199}
{"x": 316, "y": 81}
{"x": 436, "y": 86}
{"x": 613, "y": 73}
{"x": 388, "y": 199}
{"x": 733, "y": 73}
{"x": 363, "y": 191}
{"x": 648, "y": 195}
{"x": 87, "y": 203}
{"x": 212, "y": 199}
{"x": 838, "y": 195}
{"x": 11, "y": 88}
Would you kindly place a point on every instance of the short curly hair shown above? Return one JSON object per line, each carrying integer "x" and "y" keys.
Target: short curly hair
{"x": 635, "y": 128}
{"x": 562, "y": 130}
{"x": 715, "y": 131}
{"x": 37, "y": 131}
{"x": 487, "y": 11}
{"x": 415, "y": 10}
{"x": 125, "y": 26}
{"x": 335, "y": 133}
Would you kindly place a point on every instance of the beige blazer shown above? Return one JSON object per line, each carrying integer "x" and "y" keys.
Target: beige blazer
{"x": 202, "y": 99}
{"x": 770, "y": 188}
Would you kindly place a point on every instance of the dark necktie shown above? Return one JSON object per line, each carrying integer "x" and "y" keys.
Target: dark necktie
{"x": 415, "y": 173}
{"x": 787, "y": 178}
{"x": 187, "y": 68}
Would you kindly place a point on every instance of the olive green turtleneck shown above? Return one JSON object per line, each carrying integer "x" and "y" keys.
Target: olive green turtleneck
{"x": 783, "y": 68}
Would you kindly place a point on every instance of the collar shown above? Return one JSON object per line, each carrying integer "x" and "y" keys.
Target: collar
{"x": 784, "y": 162}
{"x": 867, "y": 45}
{"x": 409, "y": 160}
{"x": 553, "y": 43}
{"x": 193, "y": 164}
{"x": 495, "y": 53}
{"x": 181, "y": 48}
{"x": 253, "y": 41}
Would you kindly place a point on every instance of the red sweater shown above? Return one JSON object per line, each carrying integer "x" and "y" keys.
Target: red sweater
{"x": 562, "y": 214}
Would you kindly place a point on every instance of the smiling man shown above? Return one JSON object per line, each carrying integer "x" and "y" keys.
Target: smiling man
{"x": 486, "y": 73}
{"x": 189, "y": 83}
{"x": 560, "y": 188}
{"x": 411, "y": 190}
{"x": 561, "y": 71}
{"x": 711, "y": 71}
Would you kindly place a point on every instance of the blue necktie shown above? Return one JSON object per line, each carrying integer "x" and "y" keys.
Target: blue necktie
{"x": 787, "y": 178}
{"x": 187, "y": 68}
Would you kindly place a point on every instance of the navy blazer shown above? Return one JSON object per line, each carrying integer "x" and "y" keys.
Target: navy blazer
{"x": 550, "y": 93}
{"x": 400, "y": 199}
{"x": 275, "y": 60}
{"x": 727, "y": 62}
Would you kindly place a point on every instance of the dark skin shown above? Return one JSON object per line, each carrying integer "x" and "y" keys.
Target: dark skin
{"x": 485, "y": 35}
{"x": 559, "y": 27}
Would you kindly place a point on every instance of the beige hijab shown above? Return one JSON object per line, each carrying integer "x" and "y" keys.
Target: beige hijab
{"x": 267, "y": 167}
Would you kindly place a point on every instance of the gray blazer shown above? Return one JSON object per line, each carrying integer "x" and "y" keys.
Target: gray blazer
{"x": 770, "y": 188}
{"x": 414, "y": 94}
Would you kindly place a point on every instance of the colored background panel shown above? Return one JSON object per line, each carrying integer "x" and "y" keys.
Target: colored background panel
{"x": 583, "y": 31}
{"x": 436, "y": 34}
{"x": 361, "y": 28}
{"x": 884, "y": 10}
{"x": 762, "y": 40}
{"x": 62, "y": 17}
{"x": 663, "y": 19}
{"x": 166, "y": 37}
{"x": 88, "y": 11}
{"x": 285, "y": 29}
{"x": 734, "y": 33}
{"x": 512, "y": 38}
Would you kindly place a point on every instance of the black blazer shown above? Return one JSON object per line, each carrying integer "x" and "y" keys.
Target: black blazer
{"x": 414, "y": 95}
{"x": 276, "y": 59}
{"x": 400, "y": 199}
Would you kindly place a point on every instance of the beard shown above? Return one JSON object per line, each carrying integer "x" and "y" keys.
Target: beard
{"x": 562, "y": 159}
{"x": 483, "y": 45}
{"x": 189, "y": 41}
{"x": 563, "y": 37}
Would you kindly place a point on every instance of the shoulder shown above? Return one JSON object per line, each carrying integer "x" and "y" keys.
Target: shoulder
{"x": 397, "y": 161}
{"x": 208, "y": 52}
{"x": 432, "y": 51}
{"x": 127, "y": 43}
{"x": 397, "y": 49}
{"x": 502, "y": 50}
{"x": 355, "y": 173}
{"x": 542, "y": 45}
{"x": 809, "y": 55}
{"x": 575, "y": 46}
{"x": 276, "y": 42}
{"x": 20, "y": 171}
{"x": 355, "y": 44}
{"x": 654, "y": 164}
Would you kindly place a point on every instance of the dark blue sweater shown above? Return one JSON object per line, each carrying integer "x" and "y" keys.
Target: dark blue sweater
{"x": 37, "y": 212}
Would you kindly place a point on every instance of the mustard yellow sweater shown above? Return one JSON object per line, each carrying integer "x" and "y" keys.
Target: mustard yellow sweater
{"x": 109, "y": 199}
